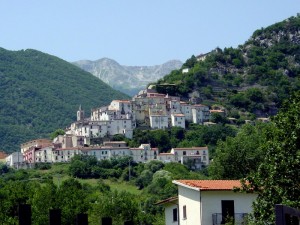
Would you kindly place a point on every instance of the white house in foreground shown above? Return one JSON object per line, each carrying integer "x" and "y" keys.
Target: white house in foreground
{"x": 208, "y": 202}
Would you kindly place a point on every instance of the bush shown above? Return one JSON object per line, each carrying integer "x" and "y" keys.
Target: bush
{"x": 43, "y": 166}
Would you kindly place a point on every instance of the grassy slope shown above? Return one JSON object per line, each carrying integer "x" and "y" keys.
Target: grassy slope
{"x": 59, "y": 172}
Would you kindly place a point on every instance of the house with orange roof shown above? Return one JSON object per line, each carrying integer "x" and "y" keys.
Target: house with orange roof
{"x": 206, "y": 202}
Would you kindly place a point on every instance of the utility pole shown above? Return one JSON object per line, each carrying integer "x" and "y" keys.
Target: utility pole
{"x": 129, "y": 174}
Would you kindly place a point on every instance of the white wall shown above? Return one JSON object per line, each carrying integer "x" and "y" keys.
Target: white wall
{"x": 169, "y": 214}
{"x": 158, "y": 122}
{"x": 211, "y": 203}
{"x": 14, "y": 159}
{"x": 190, "y": 198}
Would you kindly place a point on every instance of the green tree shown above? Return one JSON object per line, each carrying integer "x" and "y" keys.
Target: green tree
{"x": 71, "y": 199}
{"x": 237, "y": 156}
{"x": 276, "y": 180}
{"x": 56, "y": 133}
{"x": 120, "y": 206}
{"x": 42, "y": 201}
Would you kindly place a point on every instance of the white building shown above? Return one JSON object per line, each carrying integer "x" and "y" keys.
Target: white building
{"x": 174, "y": 107}
{"x": 200, "y": 114}
{"x": 159, "y": 121}
{"x": 123, "y": 106}
{"x": 178, "y": 120}
{"x": 14, "y": 160}
{"x": 212, "y": 202}
{"x": 186, "y": 110}
{"x": 44, "y": 155}
{"x": 182, "y": 154}
{"x": 100, "y": 152}
{"x": 166, "y": 157}
{"x": 171, "y": 210}
{"x": 185, "y": 70}
{"x": 144, "y": 153}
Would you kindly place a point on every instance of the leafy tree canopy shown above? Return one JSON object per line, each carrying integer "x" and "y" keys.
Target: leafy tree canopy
{"x": 276, "y": 180}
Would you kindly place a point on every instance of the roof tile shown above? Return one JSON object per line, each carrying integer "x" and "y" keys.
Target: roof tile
{"x": 211, "y": 185}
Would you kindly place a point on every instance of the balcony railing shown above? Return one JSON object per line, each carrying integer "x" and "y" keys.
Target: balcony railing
{"x": 239, "y": 218}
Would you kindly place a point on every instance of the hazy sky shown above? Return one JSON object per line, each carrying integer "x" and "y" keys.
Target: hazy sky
{"x": 135, "y": 32}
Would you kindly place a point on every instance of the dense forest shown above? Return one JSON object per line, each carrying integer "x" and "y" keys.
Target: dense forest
{"x": 255, "y": 77}
{"x": 40, "y": 93}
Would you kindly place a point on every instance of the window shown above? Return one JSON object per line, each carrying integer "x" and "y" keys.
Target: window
{"x": 175, "y": 215}
{"x": 184, "y": 212}
{"x": 184, "y": 152}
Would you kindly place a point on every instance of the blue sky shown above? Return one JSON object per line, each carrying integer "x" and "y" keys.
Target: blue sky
{"x": 135, "y": 32}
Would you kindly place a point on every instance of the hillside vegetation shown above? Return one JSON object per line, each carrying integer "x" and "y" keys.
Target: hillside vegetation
{"x": 40, "y": 93}
{"x": 255, "y": 77}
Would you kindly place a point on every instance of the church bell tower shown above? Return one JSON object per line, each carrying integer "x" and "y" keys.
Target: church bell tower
{"x": 80, "y": 114}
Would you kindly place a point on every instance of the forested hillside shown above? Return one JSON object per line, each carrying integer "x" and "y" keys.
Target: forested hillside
{"x": 255, "y": 77}
{"x": 40, "y": 93}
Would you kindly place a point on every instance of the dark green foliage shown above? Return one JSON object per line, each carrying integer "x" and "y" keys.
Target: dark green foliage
{"x": 72, "y": 200}
{"x": 43, "y": 166}
{"x": 120, "y": 206}
{"x": 238, "y": 156}
{"x": 195, "y": 136}
{"x": 161, "y": 185}
{"x": 218, "y": 118}
{"x": 84, "y": 166}
{"x": 41, "y": 93}
{"x": 3, "y": 169}
{"x": 277, "y": 178}
{"x": 56, "y": 133}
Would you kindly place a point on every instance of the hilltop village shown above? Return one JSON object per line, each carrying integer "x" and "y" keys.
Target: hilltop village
{"x": 148, "y": 109}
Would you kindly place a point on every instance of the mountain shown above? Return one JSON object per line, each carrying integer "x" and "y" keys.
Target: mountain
{"x": 40, "y": 93}
{"x": 250, "y": 80}
{"x": 128, "y": 79}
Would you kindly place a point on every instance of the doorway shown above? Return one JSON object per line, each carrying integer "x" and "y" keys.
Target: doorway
{"x": 227, "y": 211}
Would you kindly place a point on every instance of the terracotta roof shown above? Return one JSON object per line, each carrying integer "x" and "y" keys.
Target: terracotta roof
{"x": 167, "y": 153}
{"x": 151, "y": 149}
{"x": 198, "y": 105}
{"x": 91, "y": 148}
{"x": 216, "y": 110}
{"x": 168, "y": 200}
{"x": 3, "y": 155}
{"x": 209, "y": 185}
{"x": 114, "y": 142}
{"x": 179, "y": 115}
{"x": 192, "y": 148}
{"x": 127, "y": 101}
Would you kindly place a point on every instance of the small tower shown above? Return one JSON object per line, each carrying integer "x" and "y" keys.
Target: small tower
{"x": 80, "y": 114}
